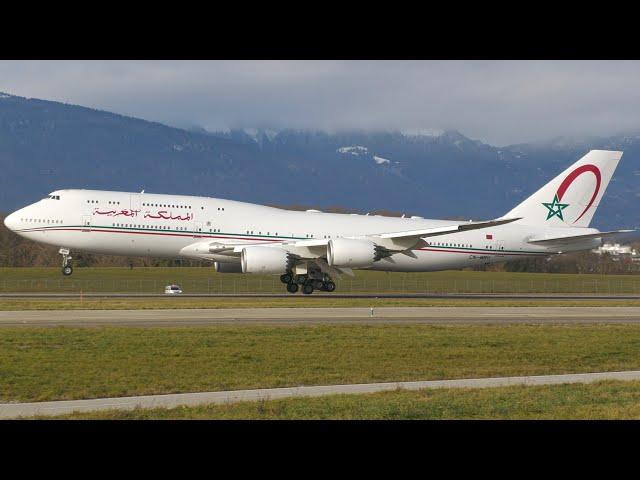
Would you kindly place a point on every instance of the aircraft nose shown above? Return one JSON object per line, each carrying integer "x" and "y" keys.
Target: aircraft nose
{"x": 11, "y": 221}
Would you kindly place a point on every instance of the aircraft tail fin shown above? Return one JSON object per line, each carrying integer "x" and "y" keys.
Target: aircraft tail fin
{"x": 570, "y": 199}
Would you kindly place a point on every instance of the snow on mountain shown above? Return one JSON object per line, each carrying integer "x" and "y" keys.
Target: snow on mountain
{"x": 254, "y": 133}
{"x": 258, "y": 135}
{"x": 380, "y": 160}
{"x": 271, "y": 134}
{"x": 354, "y": 150}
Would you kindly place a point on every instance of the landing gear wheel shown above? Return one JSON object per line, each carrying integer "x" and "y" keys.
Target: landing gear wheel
{"x": 292, "y": 287}
{"x": 329, "y": 286}
{"x": 318, "y": 284}
{"x": 286, "y": 278}
{"x": 67, "y": 269}
{"x": 301, "y": 279}
{"x": 307, "y": 288}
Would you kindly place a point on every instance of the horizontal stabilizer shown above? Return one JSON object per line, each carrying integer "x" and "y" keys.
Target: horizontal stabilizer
{"x": 576, "y": 238}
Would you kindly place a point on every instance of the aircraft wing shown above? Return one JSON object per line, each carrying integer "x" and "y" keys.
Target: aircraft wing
{"x": 311, "y": 249}
{"x": 462, "y": 227}
{"x": 394, "y": 241}
{"x": 575, "y": 238}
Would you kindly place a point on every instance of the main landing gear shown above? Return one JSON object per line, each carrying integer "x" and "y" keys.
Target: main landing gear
{"x": 308, "y": 282}
{"x": 67, "y": 268}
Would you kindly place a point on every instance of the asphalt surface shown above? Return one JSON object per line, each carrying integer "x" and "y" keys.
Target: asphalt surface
{"x": 321, "y": 316}
{"x": 500, "y": 296}
{"x": 16, "y": 410}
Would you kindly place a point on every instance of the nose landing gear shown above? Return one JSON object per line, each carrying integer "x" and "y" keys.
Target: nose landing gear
{"x": 67, "y": 268}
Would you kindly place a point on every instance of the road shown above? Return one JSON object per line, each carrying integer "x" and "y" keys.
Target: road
{"x": 15, "y": 410}
{"x": 321, "y": 316}
{"x": 498, "y": 296}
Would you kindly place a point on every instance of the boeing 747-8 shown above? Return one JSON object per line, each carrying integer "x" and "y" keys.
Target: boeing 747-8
{"x": 308, "y": 248}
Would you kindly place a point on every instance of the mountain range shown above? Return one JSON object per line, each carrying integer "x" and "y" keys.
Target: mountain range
{"x": 47, "y": 145}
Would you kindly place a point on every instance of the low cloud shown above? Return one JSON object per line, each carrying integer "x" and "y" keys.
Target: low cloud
{"x": 499, "y": 102}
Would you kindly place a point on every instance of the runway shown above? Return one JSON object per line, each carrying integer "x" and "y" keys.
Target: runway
{"x": 16, "y": 410}
{"x": 321, "y": 316}
{"x": 480, "y": 296}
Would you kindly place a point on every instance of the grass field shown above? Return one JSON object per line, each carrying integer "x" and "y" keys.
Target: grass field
{"x": 605, "y": 400}
{"x": 67, "y": 363}
{"x": 206, "y": 280}
{"x": 290, "y": 302}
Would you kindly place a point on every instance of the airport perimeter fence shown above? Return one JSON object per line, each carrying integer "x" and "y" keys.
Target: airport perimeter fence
{"x": 249, "y": 284}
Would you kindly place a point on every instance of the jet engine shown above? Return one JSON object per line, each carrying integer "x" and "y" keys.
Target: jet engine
{"x": 349, "y": 252}
{"x": 265, "y": 260}
{"x": 228, "y": 267}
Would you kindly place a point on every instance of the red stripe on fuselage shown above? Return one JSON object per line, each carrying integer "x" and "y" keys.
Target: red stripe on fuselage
{"x": 167, "y": 234}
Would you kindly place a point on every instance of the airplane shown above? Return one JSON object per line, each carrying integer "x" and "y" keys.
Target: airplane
{"x": 309, "y": 249}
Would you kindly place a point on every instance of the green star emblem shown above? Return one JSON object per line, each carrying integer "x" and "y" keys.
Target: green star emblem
{"x": 555, "y": 208}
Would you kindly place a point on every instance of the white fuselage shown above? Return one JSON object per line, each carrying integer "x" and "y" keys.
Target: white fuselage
{"x": 122, "y": 223}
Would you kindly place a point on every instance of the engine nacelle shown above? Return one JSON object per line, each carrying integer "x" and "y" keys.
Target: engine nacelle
{"x": 228, "y": 267}
{"x": 264, "y": 260}
{"x": 349, "y": 252}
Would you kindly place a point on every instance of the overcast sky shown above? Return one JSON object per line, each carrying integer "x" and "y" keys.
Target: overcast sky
{"x": 499, "y": 102}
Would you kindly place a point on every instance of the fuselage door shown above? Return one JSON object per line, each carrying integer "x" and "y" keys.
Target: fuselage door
{"x": 86, "y": 223}
{"x": 197, "y": 229}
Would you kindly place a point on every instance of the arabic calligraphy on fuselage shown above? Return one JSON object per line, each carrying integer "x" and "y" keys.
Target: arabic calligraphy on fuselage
{"x": 159, "y": 215}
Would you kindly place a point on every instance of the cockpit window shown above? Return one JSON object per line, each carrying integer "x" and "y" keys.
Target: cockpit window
{"x": 53, "y": 197}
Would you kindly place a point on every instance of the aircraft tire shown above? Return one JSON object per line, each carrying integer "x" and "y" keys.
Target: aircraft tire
{"x": 307, "y": 288}
{"x": 292, "y": 287}
{"x": 329, "y": 286}
{"x": 286, "y": 278}
{"x": 67, "y": 270}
